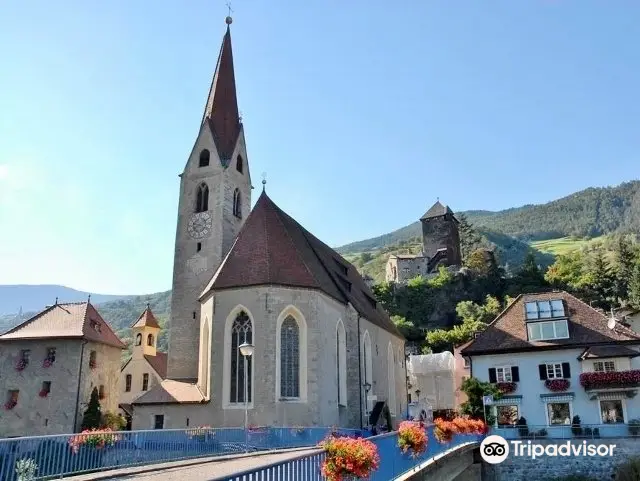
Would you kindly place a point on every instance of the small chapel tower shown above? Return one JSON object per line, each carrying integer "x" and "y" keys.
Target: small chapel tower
{"x": 215, "y": 198}
{"x": 145, "y": 335}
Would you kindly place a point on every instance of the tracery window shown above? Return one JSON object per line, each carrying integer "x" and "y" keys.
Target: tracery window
{"x": 290, "y": 358}
{"x": 241, "y": 332}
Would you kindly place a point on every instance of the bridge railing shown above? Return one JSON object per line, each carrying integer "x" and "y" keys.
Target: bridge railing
{"x": 63, "y": 455}
{"x": 567, "y": 431}
{"x": 393, "y": 462}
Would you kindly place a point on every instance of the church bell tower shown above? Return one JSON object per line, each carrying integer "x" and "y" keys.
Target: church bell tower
{"x": 215, "y": 198}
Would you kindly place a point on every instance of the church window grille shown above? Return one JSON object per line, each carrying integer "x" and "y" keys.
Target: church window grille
{"x": 138, "y": 339}
{"x": 145, "y": 381}
{"x": 241, "y": 332}
{"x": 237, "y": 204}
{"x": 290, "y": 358}
{"x": 239, "y": 164}
{"x": 127, "y": 383}
{"x": 150, "y": 340}
{"x": 204, "y": 158}
{"x": 202, "y": 198}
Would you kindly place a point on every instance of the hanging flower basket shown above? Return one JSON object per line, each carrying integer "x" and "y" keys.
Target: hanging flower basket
{"x": 506, "y": 387}
{"x": 349, "y": 458}
{"x": 557, "y": 385}
{"x": 444, "y": 430}
{"x": 10, "y": 405}
{"x": 43, "y": 393}
{"x": 21, "y": 364}
{"x": 96, "y": 438}
{"x": 412, "y": 438}
{"x": 47, "y": 363}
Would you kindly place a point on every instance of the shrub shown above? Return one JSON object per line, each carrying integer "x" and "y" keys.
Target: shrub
{"x": 628, "y": 471}
{"x": 92, "y": 415}
{"x": 349, "y": 457}
{"x": 523, "y": 429}
{"x": 113, "y": 421}
{"x": 26, "y": 469}
{"x": 576, "y": 429}
{"x": 412, "y": 437}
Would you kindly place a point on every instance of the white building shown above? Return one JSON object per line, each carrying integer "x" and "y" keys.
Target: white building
{"x": 432, "y": 380}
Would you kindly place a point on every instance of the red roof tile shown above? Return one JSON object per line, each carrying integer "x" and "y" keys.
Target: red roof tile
{"x": 147, "y": 319}
{"x": 273, "y": 249}
{"x": 72, "y": 320}
{"x": 221, "y": 111}
{"x": 508, "y": 332}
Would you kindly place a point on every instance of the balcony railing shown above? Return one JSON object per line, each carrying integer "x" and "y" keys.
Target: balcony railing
{"x": 613, "y": 379}
{"x": 567, "y": 431}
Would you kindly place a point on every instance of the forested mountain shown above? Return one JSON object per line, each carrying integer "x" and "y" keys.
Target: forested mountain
{"x": 591, "y": 212}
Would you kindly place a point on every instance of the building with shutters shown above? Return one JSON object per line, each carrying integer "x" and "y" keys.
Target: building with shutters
{"x": 554, "y": 357}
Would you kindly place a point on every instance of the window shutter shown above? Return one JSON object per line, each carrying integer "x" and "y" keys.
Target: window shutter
{"x": 515, "y": 374}
{"x": 492, "y": 374}
{"x": 543, "y": 371}
{"x": 566, "y": 370}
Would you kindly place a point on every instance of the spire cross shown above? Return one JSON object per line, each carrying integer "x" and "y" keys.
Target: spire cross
{"x": 228, "y": 4}
{"x": 264, "y": 181}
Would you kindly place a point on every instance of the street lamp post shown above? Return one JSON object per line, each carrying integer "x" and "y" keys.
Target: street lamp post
{"x": 367, "y": 388}
{"x": 246, "y": 349}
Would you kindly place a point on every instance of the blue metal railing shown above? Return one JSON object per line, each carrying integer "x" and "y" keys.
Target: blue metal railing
{"x": 393, "y": 462}
{"x": 567, "y": 431}
{"x": 64, "y": 455}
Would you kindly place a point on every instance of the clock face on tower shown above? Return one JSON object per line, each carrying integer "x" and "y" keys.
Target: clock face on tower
{"x": 199, "y": 225}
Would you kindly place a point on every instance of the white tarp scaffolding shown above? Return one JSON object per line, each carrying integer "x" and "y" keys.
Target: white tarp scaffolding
{"x": 434, "y": 376}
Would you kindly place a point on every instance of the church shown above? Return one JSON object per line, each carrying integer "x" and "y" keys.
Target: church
{"x": 267, "y": 321}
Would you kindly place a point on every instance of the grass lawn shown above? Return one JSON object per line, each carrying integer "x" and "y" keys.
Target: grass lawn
{"x": 563, "y": 245}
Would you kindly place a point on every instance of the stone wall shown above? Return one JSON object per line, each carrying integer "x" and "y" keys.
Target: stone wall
{"x": 516, "y": 468}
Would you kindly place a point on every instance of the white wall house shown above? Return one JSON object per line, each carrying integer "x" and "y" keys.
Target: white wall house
{"x": 555, "y": 357}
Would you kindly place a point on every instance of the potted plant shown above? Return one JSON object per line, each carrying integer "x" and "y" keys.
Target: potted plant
{"x": 557, "y": 385}
{"x": 412, "y": 438}
{"x": 349, "y": 458}
{"x": 47, "y": 363}
{"x": 94, "y": 438}
{"x": 634, "y": 427}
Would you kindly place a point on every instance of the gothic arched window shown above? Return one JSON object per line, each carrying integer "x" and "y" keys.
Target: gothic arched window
{"x": 391, "y": 378}
{"x": 237, "y": 207}
{"x": 341, "y": 363}
{"x": 290, "y": 358}
{"x": 239, "y": 164}
{"x": 150, "y": 340}
{"x": 204, "y": 158}
{"x": 202, "y": 198}
{"x": 241, "y": 332}
{"x": 138, "y": 339}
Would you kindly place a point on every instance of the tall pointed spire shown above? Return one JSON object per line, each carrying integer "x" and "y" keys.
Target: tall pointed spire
{"x": 221, "y": 110}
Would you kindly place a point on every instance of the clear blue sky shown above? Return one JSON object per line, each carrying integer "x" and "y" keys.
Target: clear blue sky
{"x": 361, "y": 113}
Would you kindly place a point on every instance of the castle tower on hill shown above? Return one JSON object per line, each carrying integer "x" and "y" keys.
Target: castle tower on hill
{"x": 215, "y": 197}
{"x": 440, "y": 247}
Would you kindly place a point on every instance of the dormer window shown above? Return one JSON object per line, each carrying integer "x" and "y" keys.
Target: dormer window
{"x": 544, "y": 309}
{"x": 341, "y": 267}
{"x": 548, "y": 330}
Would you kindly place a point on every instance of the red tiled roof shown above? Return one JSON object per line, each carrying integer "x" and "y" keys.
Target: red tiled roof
{"x": 158, "y": 363}
{"x": 273, "y": 249}
{"x": 147, "y": 319}
{"x": 221, "y": 111}
{"x": 508, "y": 332}
{"x": 72, "y": 320}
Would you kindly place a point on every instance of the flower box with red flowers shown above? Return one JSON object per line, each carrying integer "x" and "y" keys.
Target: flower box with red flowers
{"x": 44, "y": 393}
{"x": 48, "y": 362}
{"x": 506, "y": 387}
{"x": 614, "y": 379}
{"x": 21, "y": 364}
{"x": 412, "y": 438}
{"x": 10, "y": 404}
{"x": 557, "y": 385}
{"x": 93, "y": 364}
{"x": 349, "y": 458}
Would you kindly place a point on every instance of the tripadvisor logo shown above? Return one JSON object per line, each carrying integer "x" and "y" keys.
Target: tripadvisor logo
{"x": 495, "y": 449}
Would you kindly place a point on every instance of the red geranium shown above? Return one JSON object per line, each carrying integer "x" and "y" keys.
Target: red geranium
{"x": 21, "y": 364}
{"x": 591, "y": 380}
{"x": 411, "y": 436}
{"x": 506, "y": 387}
{"x": 349, "y": 457}
{"x": 43, "y": 393}
{"x": 10, "y": 404}
{"x": 557, "y": 385}
{"x": 444, "y": 430}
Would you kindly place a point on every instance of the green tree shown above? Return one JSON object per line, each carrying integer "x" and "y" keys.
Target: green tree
{"x": 470, "y": 239}
{"x": 602, "y": 280}
{"x": 443, "y": 278}
{"x": 529, "y": 278}
{"x": 366, "y": 257}
{"x": 625, "y": 263}
{"x": 407, "y": 328}
{"x": 92, "y": 415}
{"x": 475, "y": 390}
{"x": 634, "y": 287}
